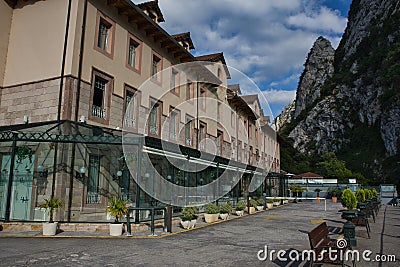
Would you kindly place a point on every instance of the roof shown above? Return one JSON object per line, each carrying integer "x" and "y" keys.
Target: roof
{"x": 250, "y": 98}
{"x": 152, "y": 6}
{"x": 185, "y": 38}
{"x": 308, "y": 175}
{"x": 235, "y": 88}
{"x": 215, "y": 58}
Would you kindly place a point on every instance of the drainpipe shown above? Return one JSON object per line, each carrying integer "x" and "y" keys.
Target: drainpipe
{"x": 60, "y": 94}
{"x": 78, "y": 91}
{"x": 11, "y": 177}
{"x": 63, "y": 61}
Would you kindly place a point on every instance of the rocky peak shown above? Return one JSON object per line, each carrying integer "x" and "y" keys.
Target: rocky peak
{"x": 318, "y": 68}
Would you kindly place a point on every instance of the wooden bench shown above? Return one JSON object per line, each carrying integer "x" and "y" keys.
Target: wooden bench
{"x": 320, "y": 243}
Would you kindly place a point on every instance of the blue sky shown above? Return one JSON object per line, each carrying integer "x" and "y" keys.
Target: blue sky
{"x": 268, "y": 40}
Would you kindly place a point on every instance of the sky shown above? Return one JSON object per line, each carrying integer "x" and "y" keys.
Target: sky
{"x": 267, "y": 40}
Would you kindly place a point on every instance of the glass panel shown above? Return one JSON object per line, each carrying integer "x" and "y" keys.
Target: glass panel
{"x": 132, "y": 53}
{"x": 4, "y": 176}
{"x": 130, "y": 110}
{"x": 103, "y": 36}
{"x": 93, "y": 195}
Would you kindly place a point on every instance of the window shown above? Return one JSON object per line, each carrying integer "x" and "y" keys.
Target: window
{"x": 155, "y": 117}
{"x": 219, "y": 106}
{"x": 233, "y": 119}
{"x": 134, "y": 52}
{"x": 104, "y": 39}
{"x": 233, "y": 147}
{"x": 256, "y": 135}
{"x": 202, "y": 135}
{"x": 188, "y": 130}
{"x": 189, "y": 90}
{"x": 250, "y": 131}
{"x": 93, "y": 186}
{"x": 100, "y": 97}
{"x": 203, "y": 99}
{"x": 156, "y": 68}
{"x": 131, "y": 107}
{"x": 220, "y": 141}
{"x": 173, "y": 123}
{"x": 239, "y": 153}
{"x": 175, "y": 82}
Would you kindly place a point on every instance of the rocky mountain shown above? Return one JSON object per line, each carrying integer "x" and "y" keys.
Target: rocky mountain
{"x": 348, "y": 100}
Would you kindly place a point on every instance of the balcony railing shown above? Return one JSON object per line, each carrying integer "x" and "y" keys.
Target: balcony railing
{"x": 98, "y": 112}
{"x": 153, "y": 129}
{"x": 188, "y": 141}
{"x": 130, "y": 122}
{"x": 92, "y": 198}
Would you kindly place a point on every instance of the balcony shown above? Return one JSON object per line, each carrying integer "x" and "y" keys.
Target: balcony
{"x": 130, "y": 122}
{"x": 92, "y": 198}
{"x": 153, "y": 129}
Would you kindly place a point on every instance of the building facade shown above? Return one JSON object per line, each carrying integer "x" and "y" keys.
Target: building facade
{"x": 71, "y": 77}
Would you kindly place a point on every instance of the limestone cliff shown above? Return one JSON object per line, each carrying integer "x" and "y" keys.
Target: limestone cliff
{"x": 351, "y": 105}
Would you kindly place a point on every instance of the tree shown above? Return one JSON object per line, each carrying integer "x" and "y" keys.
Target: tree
{"x": 331, "y": 167}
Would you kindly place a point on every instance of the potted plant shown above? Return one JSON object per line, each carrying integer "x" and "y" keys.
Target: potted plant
{"x": 276, "y": 201}
{"x": 270, "y": 203}
{"x": 334, "y": 192}
{"x": 189, "y": 217}
{"x": 253, "y": 205}
{"x": 240, "y": 206}
{"x": 50, "y": 227}
{"x": 317, "y": 190}
{"x": 285, "y": 201}
{"x": 349, "y": 201}
{"x": 117, "y": 208}
{"x": 212, "y": 213}
{"x": 224, "y": 211}
{"x": 260, "y": 204}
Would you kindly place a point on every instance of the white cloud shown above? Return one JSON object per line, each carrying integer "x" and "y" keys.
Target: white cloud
{"x": 324, "y": 20}
{"x": 268, "y": 40}
{"x": 279, "y": 96}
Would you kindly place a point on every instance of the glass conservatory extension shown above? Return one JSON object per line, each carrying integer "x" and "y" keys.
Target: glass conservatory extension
{"x": 84, "y": 165}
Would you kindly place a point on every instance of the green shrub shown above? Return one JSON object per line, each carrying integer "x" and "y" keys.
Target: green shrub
{"x": 260, "y": 202}
{"x": 240, "y": 206}
{"x": 270, "y": 200}
{"x": 189, "y": 213}
{"x": 225, "y": 208}
{"x": 277, "y": 200}
{"x": 374, "y": 193}
{"x": 368, "y": 194}
{"x": 253, "y": 203}
{"x": 212, "y": 208}
{"x": 349, "y": 199}
{"x": 360, "y": 195}
{"x": 117, "y": 207}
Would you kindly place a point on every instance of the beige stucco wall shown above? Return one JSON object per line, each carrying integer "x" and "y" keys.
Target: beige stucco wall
{"x": 36, "y": 41}
{"x": 5, "y": 26}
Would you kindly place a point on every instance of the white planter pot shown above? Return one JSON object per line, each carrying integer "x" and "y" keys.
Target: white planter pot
{"x": 285, "y": 201}
{"x": 193, "y": 223}
{"x": 185, "y": 224}
{"x": 277, "y": 203}
{"x": 252, "y": 210}
{"x": 224, "y": 216}
{"x": 239, "y": 212}
{"x": 210, "y": 218}
{"x": 116, "y": 229}
{"x": 260, "y": 208}
{"x": 50, "y": 228}
{"x": 270, "y": 205}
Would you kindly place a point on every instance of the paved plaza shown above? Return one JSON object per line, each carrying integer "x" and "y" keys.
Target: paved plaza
{"x": 232, "y": 243}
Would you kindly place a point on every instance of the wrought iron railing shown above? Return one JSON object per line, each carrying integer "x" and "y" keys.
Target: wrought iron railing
{"x": 98, "y": 112}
